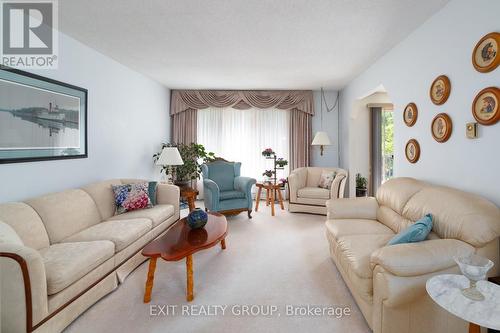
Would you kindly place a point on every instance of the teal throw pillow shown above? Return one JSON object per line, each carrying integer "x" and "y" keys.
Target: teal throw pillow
{"x": 414, "y": 233}
{"x": 152, "y": 192}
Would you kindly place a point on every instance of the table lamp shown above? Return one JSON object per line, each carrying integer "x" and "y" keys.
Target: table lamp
{"x": 169, "y": 157}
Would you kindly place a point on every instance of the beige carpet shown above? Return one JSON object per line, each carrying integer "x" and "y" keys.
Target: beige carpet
{"x": 269, "y": 261}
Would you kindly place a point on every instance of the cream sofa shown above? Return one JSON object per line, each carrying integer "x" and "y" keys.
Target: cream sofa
{"x": 305, "y": 195}
{"x": 60, "y": 253}
{"x": 388, "y": 282}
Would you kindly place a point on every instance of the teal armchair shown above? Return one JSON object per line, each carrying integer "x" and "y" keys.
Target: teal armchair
{"x": 225, "y": 191}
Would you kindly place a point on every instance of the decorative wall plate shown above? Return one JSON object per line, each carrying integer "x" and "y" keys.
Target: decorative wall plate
{"x": 410, "y": 114}
{"x": 441, "y": 127}
{"x": 440, "y": 90}
{"x": 412, "y": 151}
{"x": 486, "y": 106}
{"x": 485, "y": 56}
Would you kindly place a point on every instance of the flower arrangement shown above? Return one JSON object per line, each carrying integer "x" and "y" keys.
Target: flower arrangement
{"x": 268, "y": 173}
{"x": 281, "y": 162}
{"x": 267, "y": 152}
{"x": 283, "y": 181}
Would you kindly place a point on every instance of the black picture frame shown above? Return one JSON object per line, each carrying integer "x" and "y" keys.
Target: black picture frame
{"x": 45, "y": 87}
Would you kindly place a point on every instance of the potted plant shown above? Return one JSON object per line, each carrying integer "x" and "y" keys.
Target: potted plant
{"x": 193, "y": 155}
{"x": 267, "y": 152}
{"x": 361, "y": 182}
{"x": 281, "y": 162}
{"x": 268, "y": 173}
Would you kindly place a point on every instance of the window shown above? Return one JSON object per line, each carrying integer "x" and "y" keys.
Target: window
{"x": 387, "y": 145}
{"x": 241, "y": 136}
{"x": 382, "y": 151}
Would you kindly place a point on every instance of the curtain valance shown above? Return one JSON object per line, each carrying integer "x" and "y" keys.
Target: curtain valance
{"x": 183, "y": 100}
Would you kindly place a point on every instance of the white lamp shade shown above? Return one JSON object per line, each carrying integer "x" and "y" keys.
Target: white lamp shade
{"x": 170, "y": 156}
{"x": 321, "y": 139}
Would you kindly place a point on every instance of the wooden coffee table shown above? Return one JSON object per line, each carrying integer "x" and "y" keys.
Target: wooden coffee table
{"x": 179, "y": 242}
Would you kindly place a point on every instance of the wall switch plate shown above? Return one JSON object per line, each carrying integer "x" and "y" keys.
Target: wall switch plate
{"x": 471, "y": 130}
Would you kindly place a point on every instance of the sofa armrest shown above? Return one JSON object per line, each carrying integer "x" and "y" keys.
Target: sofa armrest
{"x": 296, "y": 180}
{"x": 168, "y": 194}
{"x": 352, "y": 208}
{"x": 413, "y": 259}
{"x": 23, "y": 283}
{"x": 244, "y": 184}
{"x": 337, "y": 187}
{"x": 211, "y": 194}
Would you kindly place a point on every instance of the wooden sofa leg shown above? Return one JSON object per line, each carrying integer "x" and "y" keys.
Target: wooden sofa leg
{"x": 249, "y": 213}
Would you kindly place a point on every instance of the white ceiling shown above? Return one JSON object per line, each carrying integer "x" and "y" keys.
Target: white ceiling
{"x": 245, "y": 44}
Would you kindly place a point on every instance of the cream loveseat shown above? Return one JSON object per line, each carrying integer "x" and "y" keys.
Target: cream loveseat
{"x": 60, "y": 253}
{"x": 388, "y": 282}
{"x": 305, "y": 195}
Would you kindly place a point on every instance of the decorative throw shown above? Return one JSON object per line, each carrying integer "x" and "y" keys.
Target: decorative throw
{"x": 130, "y": 197}
{"x": 326, "y": 179}
{"x": 417, "y": 232}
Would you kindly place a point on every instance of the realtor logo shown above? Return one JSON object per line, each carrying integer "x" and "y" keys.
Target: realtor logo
{"x": 29, "y": 34}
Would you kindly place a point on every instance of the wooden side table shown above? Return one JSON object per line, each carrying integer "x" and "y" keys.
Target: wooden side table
{"x": 271, "y": 191}
{"x": 189, "y": 194}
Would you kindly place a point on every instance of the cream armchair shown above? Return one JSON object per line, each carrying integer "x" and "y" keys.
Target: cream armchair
{"x": 388, "y": 282}
{"x": 305, "y": 195}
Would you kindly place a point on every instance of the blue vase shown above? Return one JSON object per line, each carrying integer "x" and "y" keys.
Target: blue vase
{"x": 197, "y": 218}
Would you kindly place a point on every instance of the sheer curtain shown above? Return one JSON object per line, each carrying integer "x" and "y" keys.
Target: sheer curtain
{"x": 242, "y": 135}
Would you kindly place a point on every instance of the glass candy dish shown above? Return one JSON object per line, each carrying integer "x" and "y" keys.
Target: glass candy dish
{"x": 474, "y": 268}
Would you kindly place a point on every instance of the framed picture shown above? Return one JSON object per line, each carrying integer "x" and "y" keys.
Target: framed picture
{"x": 40, "y": 119}
{"x": 412, "y": 151}
{"x": 441, "y": 127}
{"x": 485, "y": 57}
{"x": 410, "y": 114}
{"x": 486, "y": 105}
{"x": 440, "y": 90}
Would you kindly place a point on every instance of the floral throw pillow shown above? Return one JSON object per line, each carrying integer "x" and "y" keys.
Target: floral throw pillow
{"x": 326, "y": 179}
{"x": 130, "y": 197}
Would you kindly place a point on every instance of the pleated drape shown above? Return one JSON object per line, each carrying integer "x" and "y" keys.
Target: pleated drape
{"x": 184, "y": 126}
{"x": 242, "y": 99}
{"x": 300, "y": 139}
{"x": 185, "y": 104}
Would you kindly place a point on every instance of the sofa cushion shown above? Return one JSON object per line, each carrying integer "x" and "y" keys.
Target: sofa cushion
{"x": 228, "y": 195}
{"x": 66, "y": 213}
{"x": 9, "y": 235}
{"x": 156, "y": 214}
{"x": 313, "y": 193}
{"x": 27, "y": 224}
{"x": 102, "y": 193}
{"x": 121, "y": 232}
{"x": 353, "y": 253}
{"x": 222, "y": 173}
{"x": 66, "y": 263}
{"x": 465, "y": 216}
{"x": 348, "y": 227}
{"x": 396, "y": 192}
{"x": 356, "y": 251}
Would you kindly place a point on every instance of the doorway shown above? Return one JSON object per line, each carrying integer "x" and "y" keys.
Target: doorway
{"x": 382, "y": 159}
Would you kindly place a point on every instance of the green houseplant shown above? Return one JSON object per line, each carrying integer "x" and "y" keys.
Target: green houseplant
{"x": 361, "y": 185}
{"x": 193, "y": 156}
